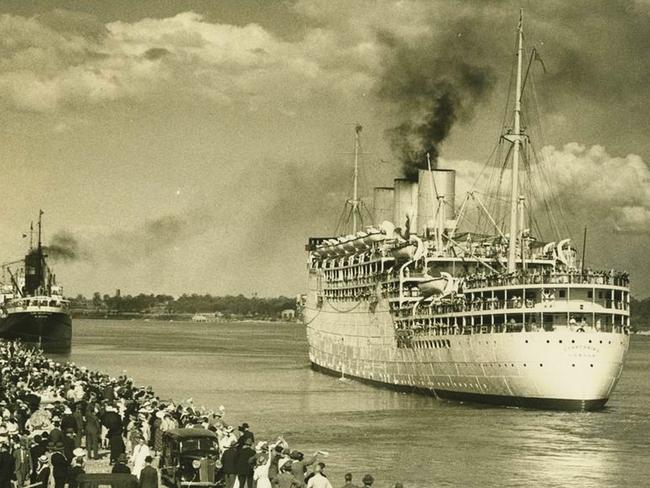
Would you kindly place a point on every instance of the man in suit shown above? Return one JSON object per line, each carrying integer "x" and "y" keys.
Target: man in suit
{"x": 6, "y": 466}
{"x": 228, "y": 462}
{"x": 244, "y": 463}
{"x": 22, "y": 463}
{"x": 149, "y": 474}
{"x": 93, "y": 429}
{"x": 60, "y": 465}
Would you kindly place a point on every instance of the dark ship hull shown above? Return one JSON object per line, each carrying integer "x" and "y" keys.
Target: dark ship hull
{"x": 50, "y": 330}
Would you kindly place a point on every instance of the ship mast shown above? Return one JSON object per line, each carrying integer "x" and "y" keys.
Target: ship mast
{"x": 355, "y": 189}
{"x": 516, "y": 139}
{"x": 40, "y": 228}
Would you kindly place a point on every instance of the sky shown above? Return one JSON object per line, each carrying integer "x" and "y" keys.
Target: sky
{"x": 194, "y": 146}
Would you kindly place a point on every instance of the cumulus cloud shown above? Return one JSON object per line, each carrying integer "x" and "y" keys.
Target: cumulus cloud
{"x": 613, "y": 189}
{"x": 58, "y": 61}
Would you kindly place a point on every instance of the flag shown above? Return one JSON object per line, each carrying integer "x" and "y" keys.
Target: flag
{"x": 537, "y": 57}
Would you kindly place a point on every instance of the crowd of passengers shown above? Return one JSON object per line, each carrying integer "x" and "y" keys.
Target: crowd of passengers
{"x": 55, "y": 416}
{"x": 547, "y": 275}
{"x": 575, "y": 324}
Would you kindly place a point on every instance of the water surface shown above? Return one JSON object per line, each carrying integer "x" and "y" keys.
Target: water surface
{"x": 261, "y": 374}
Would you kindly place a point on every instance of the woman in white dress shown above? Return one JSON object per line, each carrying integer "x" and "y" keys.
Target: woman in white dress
{"x": 140, "y": 453}
{"x": 261, "y": 473}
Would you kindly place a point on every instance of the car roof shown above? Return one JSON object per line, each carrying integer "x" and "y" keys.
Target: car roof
{"x": 190, "y": 433}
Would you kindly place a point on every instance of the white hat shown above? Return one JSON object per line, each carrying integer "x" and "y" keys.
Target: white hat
{"x": 160, "y": 414}
{"x": 79, "y": 452}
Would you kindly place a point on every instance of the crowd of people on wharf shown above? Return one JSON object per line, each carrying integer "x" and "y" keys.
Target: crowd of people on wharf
{"x": 54, "y": 417}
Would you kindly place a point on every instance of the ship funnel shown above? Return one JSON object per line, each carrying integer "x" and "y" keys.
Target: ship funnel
{"x": 382, "y": 204}
{"x": 405, "y": 203}
{"x": 444, "y": 185}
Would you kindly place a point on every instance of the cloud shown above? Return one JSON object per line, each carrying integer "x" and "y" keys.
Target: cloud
{"x": 53, "y": 62}
{"x": 587, "y": 182}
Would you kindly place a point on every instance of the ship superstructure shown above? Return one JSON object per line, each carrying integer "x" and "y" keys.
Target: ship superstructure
{"x": 418, "y": 303}
{"x": 32, "y": 307}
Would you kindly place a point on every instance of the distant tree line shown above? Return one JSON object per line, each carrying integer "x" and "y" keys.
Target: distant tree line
{"x": 229, "y": 305}
{"x": 640, "y": 313}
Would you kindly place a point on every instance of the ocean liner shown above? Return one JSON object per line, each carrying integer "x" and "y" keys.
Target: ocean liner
{"x": 421, "y": 302}
{"x": 32, "y": 307}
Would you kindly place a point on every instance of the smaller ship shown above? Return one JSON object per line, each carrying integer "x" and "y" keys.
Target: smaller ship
{"x": 32, "y": 307}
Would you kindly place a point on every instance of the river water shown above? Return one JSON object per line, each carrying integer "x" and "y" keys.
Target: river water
{"x": 261, "y": 374}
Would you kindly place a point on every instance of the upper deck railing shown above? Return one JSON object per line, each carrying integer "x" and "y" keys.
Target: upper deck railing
{"x": 483, "y": 280}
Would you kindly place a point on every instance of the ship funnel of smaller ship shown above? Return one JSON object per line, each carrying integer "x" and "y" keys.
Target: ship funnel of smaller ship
{"x": 444, "y": 188}
{"x": 382, "y": 204}
{"x": 405, "y": 204}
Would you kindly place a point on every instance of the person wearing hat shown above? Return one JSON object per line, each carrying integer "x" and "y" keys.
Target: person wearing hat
{"x": 120, "y": 465}
{"x": 244, "y": 463}
{"x": 148, "y": 475}
{"x": 36, "y": 450}
{"x": 42, "y": 472}
{"x": 245, "y": 434}
{"x": 368, "y": 480}
{"x": 77, "y": 468}
{"x": 60, "y": 465}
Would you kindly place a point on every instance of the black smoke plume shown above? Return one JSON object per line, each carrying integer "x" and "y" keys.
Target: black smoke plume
{"x": 64, "y": 247}
{"x": 432, "y": 87}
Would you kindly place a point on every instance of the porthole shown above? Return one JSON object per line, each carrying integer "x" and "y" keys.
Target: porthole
{"x": 547, "y": 341}
{"x": 560, "y": 341}
{"x": 526, "y": 341}
{"x": 524, "y": 365}
{"x": 591, "y": 365}
{"x": 573, "y": 365}
{"x": 589, "y": 341}
{"x": 541, "y": 365}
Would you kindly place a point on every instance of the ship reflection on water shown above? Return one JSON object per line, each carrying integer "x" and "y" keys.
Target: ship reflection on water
{"x": 396, "y": 436}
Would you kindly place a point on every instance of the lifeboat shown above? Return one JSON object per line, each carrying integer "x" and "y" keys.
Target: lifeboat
{"x": 360, "y": 241}
{"x": 434, "y": 285}
{"x": 404, "y": 250}
{"x": 373, "y": 235}
{"x": 348, "y": 243}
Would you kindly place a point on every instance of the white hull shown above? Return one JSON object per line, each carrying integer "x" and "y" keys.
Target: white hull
{"x": 563, "y": 369}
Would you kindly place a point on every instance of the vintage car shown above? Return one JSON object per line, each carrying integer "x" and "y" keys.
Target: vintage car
{"x": 190, "y": 457}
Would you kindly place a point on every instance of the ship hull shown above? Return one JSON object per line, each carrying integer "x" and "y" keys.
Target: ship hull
{"x": 562, "y": 404}
{"x": 50, "y": 330}
{"x": 547, "y": 370}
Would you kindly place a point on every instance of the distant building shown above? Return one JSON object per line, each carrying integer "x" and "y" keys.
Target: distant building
{"x": 288, "y": 314}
